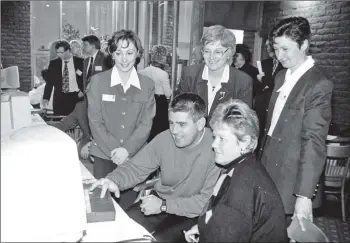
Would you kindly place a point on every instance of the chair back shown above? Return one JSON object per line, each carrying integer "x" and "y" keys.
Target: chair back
{"x": 337, "y": 164}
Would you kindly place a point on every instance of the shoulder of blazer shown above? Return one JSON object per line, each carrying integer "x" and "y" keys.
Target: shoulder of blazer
{"x": 239, "y": 76}
{"x": 145, "y": 82}
{"x": 192, "y": 71}
{"x": 78, "y": 59}
{"x": 103, "y": 78}
{"x": 315, "y": 76}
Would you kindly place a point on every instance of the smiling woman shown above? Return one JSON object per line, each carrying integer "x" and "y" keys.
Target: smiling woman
{"x": 121, "y": 106}
{"x": 216, "y": 76}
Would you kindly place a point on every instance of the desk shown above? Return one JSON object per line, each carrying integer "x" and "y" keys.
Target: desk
{"x": 123, "y": 228}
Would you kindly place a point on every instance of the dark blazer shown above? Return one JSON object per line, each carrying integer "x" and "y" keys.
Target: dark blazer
{"x": 117, "y": 119}
{"x": 253, "y": 72}
{"x": 101, "y": 64}
{"x": 295, "y": 154}
{"x": 63, "y": 104}
{"x": 247, "y": 208}
{"x": 239, "y": 86}
{"x": 269, "y": 78}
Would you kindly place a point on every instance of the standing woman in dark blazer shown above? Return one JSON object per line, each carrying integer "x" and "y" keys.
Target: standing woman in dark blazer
{"x": 245, "y": 205}
{"x": 215, "y": 81}
{"x": 294, "y": 144}
{"x": 121, "y": 106}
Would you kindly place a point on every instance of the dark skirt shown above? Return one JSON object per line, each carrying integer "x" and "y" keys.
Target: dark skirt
{"x": 160, "y": 121}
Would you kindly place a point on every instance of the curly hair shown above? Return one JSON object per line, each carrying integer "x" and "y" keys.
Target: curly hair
{"x": 128, "y": 36}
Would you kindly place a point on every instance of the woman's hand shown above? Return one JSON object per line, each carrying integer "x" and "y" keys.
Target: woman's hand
{"x": 119, "y": 155}
{"x": 190, "y": 235}
{"x": 106, "y": 184}
{"x": 85, "y": 151}
{"x": 303, "y": 209}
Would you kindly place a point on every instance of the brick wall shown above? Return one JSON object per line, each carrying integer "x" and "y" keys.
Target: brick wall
{"x": 330, "y": 47}
{"x": 16, "y": 39}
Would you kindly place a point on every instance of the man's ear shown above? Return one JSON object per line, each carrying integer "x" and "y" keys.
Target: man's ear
{"x": 201, "y": 123}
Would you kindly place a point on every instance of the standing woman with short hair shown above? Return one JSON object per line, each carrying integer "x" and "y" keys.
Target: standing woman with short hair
{"x": 121, "y": 106}
{"x": 214, "y": 80}
{"x": 294, "y": 142}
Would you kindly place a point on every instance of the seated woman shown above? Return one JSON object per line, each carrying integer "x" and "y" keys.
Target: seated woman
{"x": 245, "y": 205}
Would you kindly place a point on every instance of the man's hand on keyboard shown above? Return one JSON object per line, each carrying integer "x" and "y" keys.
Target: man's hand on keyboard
{"x": 106, "y": 184}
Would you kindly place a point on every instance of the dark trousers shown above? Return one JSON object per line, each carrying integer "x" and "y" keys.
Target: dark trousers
{"x": 102, "y": 167}
{"x": 160, "y": 120}
{"x": 64, "y": 103}
{"x": 164, "y": 227}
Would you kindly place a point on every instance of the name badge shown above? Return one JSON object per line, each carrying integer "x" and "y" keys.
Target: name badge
{"x": 98, "y": 68}
{"x": 79, "y": 72}
{"x": 108, "y": 97}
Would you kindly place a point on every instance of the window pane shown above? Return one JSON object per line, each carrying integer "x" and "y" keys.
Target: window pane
{"x": 101, "y": 18}
{"x": 45, "y": 30}
{"x": 74, "y": 22}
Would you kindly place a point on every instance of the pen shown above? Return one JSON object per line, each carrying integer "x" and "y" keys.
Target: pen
{"x": 191, "y": 237}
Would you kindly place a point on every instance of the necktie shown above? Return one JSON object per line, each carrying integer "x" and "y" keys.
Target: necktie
{"x": 65, "y": 78}
{"x": 275, "y": 65}
{"x": 89, "y": 70}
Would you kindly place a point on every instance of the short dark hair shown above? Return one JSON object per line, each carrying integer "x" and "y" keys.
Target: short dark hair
{"x": 189, "y": 102}
{"x": 127, "y": 35}
{"x": 93, "y": 40}
{"x": 296, "y": 28}
{"x": 62, "y": 43}
{"x": 245, "y": 52}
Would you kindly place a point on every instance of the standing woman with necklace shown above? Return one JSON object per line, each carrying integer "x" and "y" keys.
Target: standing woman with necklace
{"x": 215, "y": 81}
{"x": 121, "y": 106}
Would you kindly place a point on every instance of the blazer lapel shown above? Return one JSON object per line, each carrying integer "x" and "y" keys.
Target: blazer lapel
{"x": 202, "y": 89}
{"x": 222, "y": 94}
{"x": 278, "y": 83}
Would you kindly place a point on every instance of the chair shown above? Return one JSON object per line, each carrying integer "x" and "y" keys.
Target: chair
{"x": 337, "y": 172}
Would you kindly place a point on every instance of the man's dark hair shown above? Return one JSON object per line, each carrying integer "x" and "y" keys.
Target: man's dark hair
{"x": 189, "y": 102}
{"x": 93, "y": 40}
{"x": 64, "y": 44}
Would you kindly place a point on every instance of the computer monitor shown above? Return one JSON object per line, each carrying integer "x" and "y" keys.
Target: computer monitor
{"x": 42, "y": 196}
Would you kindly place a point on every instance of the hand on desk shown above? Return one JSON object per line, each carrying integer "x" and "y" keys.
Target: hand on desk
{"x": 106, "y": 184}
{"x": 151, "y": 205}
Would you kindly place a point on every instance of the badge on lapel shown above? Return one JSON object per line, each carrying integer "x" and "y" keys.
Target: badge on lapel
{"x": 98, "y": 68}
{"x": 222, "y": 95}
{"x": 78, "y": 72}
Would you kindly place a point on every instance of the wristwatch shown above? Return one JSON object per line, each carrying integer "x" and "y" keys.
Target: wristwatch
{"x": 163, "y": 207}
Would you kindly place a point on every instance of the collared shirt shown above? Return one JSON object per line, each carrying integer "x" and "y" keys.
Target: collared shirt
{"x": 133, "y": 79}
{"x": 213, "y": 90}
{"x": 73, "y": 85}
{"x": 290, "y": 80}
{"x": 94, "y": 56}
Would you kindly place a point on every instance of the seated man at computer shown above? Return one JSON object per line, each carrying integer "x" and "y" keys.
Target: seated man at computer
{"x": 188, "y": 173}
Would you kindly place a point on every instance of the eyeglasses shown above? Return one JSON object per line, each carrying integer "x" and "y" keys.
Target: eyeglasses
{"x": 216, "y": 53}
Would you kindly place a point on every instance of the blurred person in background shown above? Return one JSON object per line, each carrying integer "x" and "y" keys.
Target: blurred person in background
{"x": 155, "y": 71}
{"x": 242, "y": 60}
{"x": 76, "y": 48}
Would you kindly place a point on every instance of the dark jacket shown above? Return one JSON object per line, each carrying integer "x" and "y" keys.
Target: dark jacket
{"x": 101, "y": 64}
{"x": 247, "y": 207}
{"x": 296, "y": 152}
{"x": 253, "y": 72}
{"x": 62, "y": 104}
{"x": 239, "y": 86}
{"x": 269, "y": 78}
